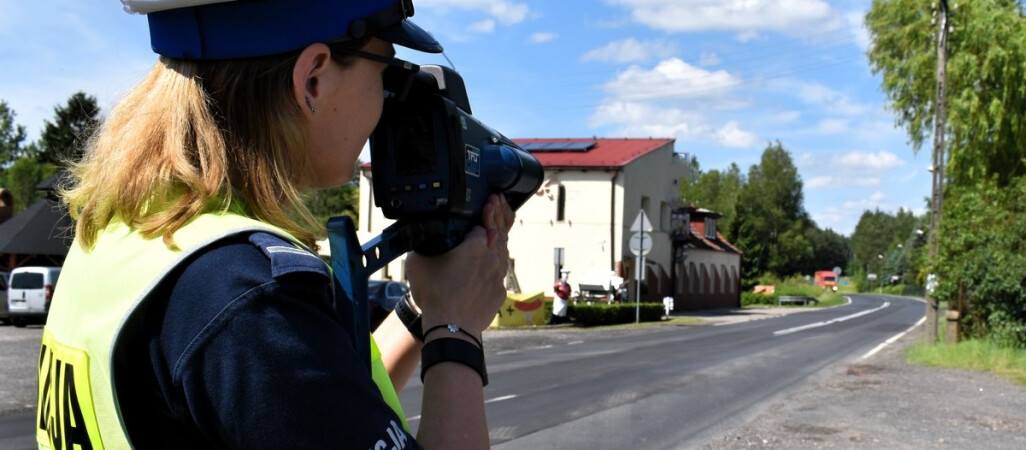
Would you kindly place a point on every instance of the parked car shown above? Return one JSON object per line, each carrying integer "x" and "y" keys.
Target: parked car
{"x": 5, "y": 318}
{"x": 29, "y": 293}
{"x": 382, "y": 296}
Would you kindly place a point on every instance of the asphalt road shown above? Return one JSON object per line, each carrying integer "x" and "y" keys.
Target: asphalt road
{"x": 676, "y": 387}
{"x": 19, "y": 353}
{"x": 665, "y": 387}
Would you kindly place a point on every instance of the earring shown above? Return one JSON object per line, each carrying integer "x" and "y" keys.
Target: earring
{"x": 309, "y": 104}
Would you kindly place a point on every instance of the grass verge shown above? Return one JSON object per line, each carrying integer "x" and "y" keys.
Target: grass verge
{"x": 974, "y": 355}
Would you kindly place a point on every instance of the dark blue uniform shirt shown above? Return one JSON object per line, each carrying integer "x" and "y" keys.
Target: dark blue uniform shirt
{"x": 242, "y": 346}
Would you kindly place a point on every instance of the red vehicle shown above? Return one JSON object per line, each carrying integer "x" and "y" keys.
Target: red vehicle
{"x": 826, "y": 278}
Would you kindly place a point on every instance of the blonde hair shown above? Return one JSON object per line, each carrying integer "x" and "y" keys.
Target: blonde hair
{"x": 196, "y": 137}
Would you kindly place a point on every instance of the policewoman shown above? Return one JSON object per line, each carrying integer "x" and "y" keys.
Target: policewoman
{"x": 191, "y": 312}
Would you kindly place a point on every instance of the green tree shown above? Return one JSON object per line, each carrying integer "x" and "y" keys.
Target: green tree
{"x": 829, "y": 250}
{"x": 717, "y": 191}
{"x": 981, "y": 239}
{"x": 65, "y": 137}
{"x": 982, "y": 270}
{"x": 770, "y": 209}
{"x": 22, "y": 177}
{"x": 11, "y": 135}
{"x": 336, "y": 201}
{"x": 985, "y": 69}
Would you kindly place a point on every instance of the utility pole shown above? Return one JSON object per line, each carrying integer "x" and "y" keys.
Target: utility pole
{"x": 937, "y": 196}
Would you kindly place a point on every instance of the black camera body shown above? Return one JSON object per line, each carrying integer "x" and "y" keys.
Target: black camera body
{"x": 434, "y": 165}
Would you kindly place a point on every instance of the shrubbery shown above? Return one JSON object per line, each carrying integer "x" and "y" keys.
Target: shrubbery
{"x": 749, "y": 298}
{"x": 983, "y": 260}
{"x": 605, "y": 314}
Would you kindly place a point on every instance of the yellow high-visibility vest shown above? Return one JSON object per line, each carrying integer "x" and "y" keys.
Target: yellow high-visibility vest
{"x": 96, "y": 294}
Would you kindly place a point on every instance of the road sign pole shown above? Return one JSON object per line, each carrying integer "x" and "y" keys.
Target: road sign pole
{"x": 641, "y": 268}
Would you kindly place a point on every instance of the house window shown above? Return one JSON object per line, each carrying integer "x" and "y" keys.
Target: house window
{"x": 664, "y": 217}
{"x": 710, "y": 228}
{"x": 561, "y": 204}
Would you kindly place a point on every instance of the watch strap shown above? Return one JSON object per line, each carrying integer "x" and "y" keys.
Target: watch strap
{"x": 409, "y": 317}
{"x": 452, "y": 349}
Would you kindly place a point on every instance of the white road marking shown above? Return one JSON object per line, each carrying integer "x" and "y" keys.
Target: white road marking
{"x": 892, "y": 340}
{"x": 496, "y": 399}
{"x": 830, "y": 322}
{"x": 499, "y": 399}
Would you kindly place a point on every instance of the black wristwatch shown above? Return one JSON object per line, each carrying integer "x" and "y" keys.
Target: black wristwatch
{"x": 450, "y": 349}
{"x": 409, "y": 317}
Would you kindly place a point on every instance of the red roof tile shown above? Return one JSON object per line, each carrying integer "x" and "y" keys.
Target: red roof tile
{"x": 606, "y": 152}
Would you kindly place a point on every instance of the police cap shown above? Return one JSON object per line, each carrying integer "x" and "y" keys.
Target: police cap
{"x": 228, "y": 29}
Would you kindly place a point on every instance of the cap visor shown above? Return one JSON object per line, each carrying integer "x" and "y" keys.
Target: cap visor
{"x": 409, "y": 35}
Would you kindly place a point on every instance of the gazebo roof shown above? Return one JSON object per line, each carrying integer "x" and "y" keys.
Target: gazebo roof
{"x": 44, "y": 228}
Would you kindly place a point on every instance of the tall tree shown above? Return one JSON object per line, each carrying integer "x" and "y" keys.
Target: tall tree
{"x": 11, "y": 136}
{"x": 829, "y": 248}
{"x": 22, "y": 177}
{"x": 64, "y": 139}
{"x": 771, "y": 213}
{"x": 986, "y": 95}
{"x": 717, "y": 191}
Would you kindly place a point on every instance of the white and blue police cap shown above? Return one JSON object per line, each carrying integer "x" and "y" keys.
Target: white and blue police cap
{"x": 229, "y": 29}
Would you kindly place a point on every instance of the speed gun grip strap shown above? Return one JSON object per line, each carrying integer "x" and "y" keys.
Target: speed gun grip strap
{"x": 350, "y": 276}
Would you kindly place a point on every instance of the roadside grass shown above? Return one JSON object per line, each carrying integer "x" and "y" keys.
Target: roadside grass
{"x": 974, "y": 355}
{"x": 825, "y": 297}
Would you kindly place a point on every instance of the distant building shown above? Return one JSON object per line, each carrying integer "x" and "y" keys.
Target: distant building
{"x": 707, "y": 270}
{"x": 592, "y": 192}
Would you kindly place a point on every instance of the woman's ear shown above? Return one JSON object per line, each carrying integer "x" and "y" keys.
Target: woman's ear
{"x": 309, "y": 67}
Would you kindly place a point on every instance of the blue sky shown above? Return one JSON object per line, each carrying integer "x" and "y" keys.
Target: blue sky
{"x": 723, "y": 77}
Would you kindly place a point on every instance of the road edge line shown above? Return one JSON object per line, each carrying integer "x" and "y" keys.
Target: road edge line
{"x": 891, "y": 340}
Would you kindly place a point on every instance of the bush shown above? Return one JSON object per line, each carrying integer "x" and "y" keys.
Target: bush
{"x": 605, "y": 314}
{"x": 751, "y": 298}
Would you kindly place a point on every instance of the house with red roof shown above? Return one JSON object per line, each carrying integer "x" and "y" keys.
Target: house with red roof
{"x": 593, "y": 190}
{"x": 707, "y": 269}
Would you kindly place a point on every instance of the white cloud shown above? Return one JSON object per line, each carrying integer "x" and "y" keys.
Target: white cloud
{"x": 860, "y": 34}
{"x": 709, "y": 60}
{"x": 832, "y": 126}
{"x": 880, "y": 161}
{"x": 630, "y": 50}
{"x": 671, "y": 78}
{"x": 484, "y": 26}
{"x": 795, "y": 17}
{"x": 833, "y": 182}
{"x": 730, "y": 135}
{"x": 874, "y": 201}
{"x": 820, "y": 182}
{"x": 787, "y": 116}
{"x": 829, "y": 99}
{"x": 637, "y": 119}
{"x": 543, "y": 36}
{"x": 672, "y": 99}
{"x": 746, "y": 36}
{"x": 506, "y": 12}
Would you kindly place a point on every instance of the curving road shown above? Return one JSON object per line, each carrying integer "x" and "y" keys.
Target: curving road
{"x": 666, "y": 387}
{"x": 674, "y": 387}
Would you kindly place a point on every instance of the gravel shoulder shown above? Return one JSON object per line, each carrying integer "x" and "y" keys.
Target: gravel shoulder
{"x": 878, "y": 402}
{"x": 885, "y": 402}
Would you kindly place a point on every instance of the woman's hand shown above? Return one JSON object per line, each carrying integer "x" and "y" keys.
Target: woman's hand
{"x": 466, "y": 285}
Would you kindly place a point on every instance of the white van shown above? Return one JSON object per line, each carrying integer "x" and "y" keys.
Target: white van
{"x": 29, "y": 293}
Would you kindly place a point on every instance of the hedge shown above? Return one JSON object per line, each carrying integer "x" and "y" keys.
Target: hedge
{"x": 604, "y": 314}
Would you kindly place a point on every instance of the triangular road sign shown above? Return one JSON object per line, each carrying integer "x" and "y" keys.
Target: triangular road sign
{"x": 641, "y": 223}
